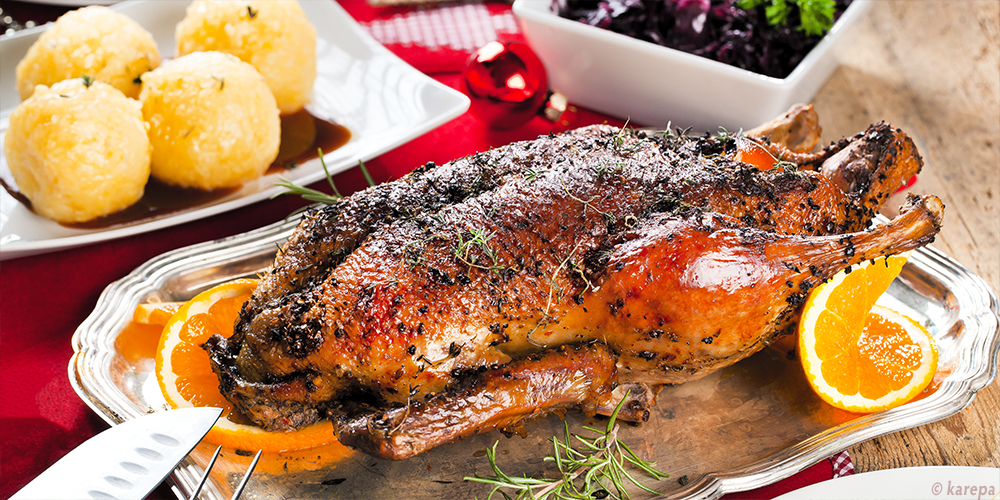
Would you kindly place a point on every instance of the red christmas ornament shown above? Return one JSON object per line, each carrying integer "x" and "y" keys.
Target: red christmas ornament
{"x": 507, "y": 84}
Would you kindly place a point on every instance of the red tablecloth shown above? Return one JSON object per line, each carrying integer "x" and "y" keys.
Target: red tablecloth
{"x": 44, "y": 298}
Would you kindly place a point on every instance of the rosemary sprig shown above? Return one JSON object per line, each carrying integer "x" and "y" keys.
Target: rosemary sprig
{"x": 368, "y": 176}
{"x": 598, "y": 470}
{"x": 315, "y": 196}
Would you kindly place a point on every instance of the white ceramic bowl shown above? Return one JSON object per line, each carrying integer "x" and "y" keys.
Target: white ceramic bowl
{"x": 654, "y": 85}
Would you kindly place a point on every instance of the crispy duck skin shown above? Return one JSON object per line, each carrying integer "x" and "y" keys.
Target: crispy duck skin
{"x": 328, "y": 235}
{"x": 656, "y": 172}
{"x": 407, "y": 291}
{"x": 687, "y": 295}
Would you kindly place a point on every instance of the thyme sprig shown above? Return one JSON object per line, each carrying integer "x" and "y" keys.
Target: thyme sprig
{"x": 671, "y": 132}
{"x": 481, "y": 240}
{"x": 605, "y": 169}
{"x": 530, "y": 174}
{"x": 619, "y": 139}
{"x": 779, "y": 163}
{"x": 599, "y": 469}
{"x": 726, "y": 136}
{"x": 556, "y": 291}
{"x": 609, "y": 217}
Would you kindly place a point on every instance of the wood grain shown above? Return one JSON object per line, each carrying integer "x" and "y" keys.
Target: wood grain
{"x": 932, "y": 68}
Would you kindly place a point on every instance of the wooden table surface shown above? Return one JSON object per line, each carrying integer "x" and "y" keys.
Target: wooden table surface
{"x": 932, "y": 68}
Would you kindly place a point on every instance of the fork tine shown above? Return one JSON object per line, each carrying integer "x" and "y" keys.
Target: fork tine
{"x": 204, "y": 477}
{"x": 246, "y": 476}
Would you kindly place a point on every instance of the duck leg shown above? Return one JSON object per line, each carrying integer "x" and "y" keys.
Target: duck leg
{"x": 837, "y": 190}
{"x": 501, "y": 398}
{"x": 797, "y": 130}
{"x": 681, "y": 304}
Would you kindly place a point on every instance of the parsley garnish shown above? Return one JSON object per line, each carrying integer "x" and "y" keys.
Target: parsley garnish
{"x": 816, "y": 16}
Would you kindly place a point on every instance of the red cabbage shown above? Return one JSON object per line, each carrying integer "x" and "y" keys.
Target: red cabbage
{"x": 715, "y": 29}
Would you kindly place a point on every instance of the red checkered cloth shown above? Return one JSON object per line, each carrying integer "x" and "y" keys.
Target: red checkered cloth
{"x": 842, "y": 465}
{"x": 439, "y": 39}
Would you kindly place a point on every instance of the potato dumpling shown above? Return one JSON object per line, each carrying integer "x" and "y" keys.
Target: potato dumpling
{"x": 93, "y": 41}
{"x": 78, "y": 150}
{"x": 274, "y": 36}
{"x": 213, "y": 122}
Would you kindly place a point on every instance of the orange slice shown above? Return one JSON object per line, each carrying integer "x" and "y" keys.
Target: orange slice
{"x": 186, "y": 378}
{"x": 155, "y": 313}
{"x": 859, "y": 356}
{"x": 751, "y": 153}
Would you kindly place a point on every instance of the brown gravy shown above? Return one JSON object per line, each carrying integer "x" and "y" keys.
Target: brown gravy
{"x": 302, "y": 136}
{"x": 158, "y": 200}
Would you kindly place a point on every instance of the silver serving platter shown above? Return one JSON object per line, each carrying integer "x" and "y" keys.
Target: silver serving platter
{"x": 741, "y": 428}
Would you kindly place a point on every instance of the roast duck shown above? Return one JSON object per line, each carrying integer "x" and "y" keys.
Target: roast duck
{"x": 559, "y": 273}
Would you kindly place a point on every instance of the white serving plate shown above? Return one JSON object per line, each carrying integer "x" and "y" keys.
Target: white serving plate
{"x": 383, "y": 101}
{"x": 906, "y": 483}
{"x": 654, "y": 85}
